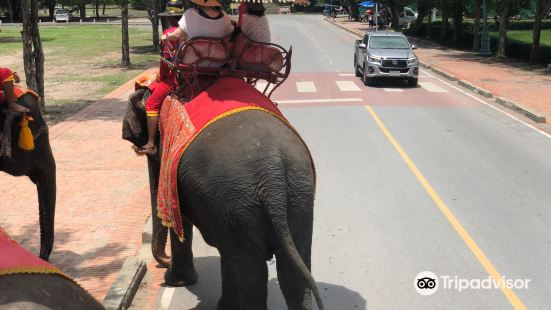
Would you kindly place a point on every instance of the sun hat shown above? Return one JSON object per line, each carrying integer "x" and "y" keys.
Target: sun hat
{"x": 173, "y": 8}
{"x": 206, "y": 2}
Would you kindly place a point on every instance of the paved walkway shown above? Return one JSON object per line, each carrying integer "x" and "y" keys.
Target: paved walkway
{"x": 102, "y": 196}
{"x": 514, "y": 80}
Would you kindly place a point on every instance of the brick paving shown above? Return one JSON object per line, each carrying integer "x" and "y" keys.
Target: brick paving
{"x": 102, "y": 196}
{"x": 514, "y": 80}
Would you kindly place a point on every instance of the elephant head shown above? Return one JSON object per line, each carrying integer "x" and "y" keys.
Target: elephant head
{"x": 134, "y": 126}
{"x": 134, "y": 129}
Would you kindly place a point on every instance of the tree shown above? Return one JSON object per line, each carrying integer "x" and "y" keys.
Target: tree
{"x": 33, "y": 55}
{"x": 125, "y": 61}
{"x": 457, "y": 10}
{"x": 476, "y": 26}
{"x": 503, "y": 19}
{"x": 445, "y": 16}
{"x": 543, "y": 7}
{"x": 153, "y": 16}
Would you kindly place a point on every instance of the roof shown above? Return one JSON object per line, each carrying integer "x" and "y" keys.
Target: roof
{"x": 386, "y": 34}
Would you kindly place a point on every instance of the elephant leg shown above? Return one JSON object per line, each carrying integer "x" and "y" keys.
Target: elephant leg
{"x": 244, "y": 271}
{"x": 181, "y": 271}
{"x": 159, "y": 233}
{"x": 230, "y": 295}
{"x": 45, "y": 179}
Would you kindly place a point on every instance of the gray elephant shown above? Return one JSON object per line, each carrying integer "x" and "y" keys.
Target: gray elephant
{"x": 38, "y": 165}
{"x": 247, "y": 182}
{"x": 43, "y": 291}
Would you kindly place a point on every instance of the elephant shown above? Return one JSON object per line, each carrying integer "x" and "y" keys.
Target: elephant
{"x": 247, "y": 182}
{"x": 38, "y": 164}
{"x": 43, "y": 291}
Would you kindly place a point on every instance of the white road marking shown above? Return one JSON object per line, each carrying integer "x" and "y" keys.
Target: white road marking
{"x": 320, "y": 100}
{"x": 306, "y": 87}
{"x": 347, "y": 74}
{"x": 497, "y": 109}
{"x": 393, "y": 90}
{"x": 261, "y": 85}
{"x": 166, "y": 298}
{"x": 347, "y": 86}
{"x": 431, "y": 87}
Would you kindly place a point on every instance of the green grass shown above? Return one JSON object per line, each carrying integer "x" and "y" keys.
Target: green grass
{"x": 86, "y": 54}
{"x": 526, "y": 36}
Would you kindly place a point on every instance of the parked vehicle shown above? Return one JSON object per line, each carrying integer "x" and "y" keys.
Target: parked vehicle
{"x": 385, "y": 55}
{"x": 63, "y": 15}
{"x": 407, "y": 16}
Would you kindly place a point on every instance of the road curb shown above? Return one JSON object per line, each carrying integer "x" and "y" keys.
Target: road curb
{"x": 535, "y": 116}
{"x": 133, "y": 271}
{"x": 343, "y": 27}
{"x": 476, "y": 89}
{"x": 445, "y": 74}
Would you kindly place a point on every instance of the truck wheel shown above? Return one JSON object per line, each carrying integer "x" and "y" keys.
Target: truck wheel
{"x": 368, "y": 81}
{"x": 412, "y": 82}
{"x": 356, "y": 68}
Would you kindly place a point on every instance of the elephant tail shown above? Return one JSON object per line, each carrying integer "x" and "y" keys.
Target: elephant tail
{"x": 281, "y": 228}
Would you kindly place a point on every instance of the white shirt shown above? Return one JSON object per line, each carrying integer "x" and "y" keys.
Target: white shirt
{"x": 195, "y": 25}
{"x": 256, "y": 28}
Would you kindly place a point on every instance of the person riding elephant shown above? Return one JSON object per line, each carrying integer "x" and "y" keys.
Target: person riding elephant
{"x": 35, "y": 160}
{"x": 205, "y": 19}
{"x": 247, "y": 182}
{"x": 7, "y": 78}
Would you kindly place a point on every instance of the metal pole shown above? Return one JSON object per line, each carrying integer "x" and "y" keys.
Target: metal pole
{"x": 376, "y": 16}
{"x": 485, "y": 39}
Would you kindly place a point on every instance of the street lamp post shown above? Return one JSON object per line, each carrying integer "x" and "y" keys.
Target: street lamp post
{"x": 485, "y": 39}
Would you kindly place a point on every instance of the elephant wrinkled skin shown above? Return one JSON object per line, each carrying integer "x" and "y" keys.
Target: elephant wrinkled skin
{"x": 247, "y": 182}
{"x": 38, "y": 165}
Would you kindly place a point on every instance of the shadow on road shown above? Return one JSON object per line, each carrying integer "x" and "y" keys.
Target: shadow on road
{"x": 208, "y": 289}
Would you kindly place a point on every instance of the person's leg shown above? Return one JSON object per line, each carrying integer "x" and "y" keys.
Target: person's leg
{"x": 153, "y": 106}
{"x": 10, "y": 98}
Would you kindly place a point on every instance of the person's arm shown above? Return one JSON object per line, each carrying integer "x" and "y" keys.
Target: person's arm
{"x": 174, "y": 35}
{"x": 8, "y": 92}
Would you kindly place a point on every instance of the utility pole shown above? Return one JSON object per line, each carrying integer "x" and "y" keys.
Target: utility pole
{"x": 485, "y": 39}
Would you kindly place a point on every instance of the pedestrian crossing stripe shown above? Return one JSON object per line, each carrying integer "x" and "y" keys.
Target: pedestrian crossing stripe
{"x": 431, "y": 87}
{"x": 306, "y": 87}
{"x": 347, "y": 86}
{"x": 393, "y": 90}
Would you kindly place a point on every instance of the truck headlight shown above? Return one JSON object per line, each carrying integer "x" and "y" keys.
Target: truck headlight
{"x": 374, "y": 59}
{"x": 412, "y": 60}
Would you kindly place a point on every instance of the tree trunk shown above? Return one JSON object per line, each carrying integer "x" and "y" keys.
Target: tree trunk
{"x": 97, "y": 9}
{"x": 444, "y": 27}
{"x": 103, "y": 12}
{"x": 51, "y": 9}
{"x": 28, "y": 59}
{"x": 11, "y": 10}
{"x": 506, "y": 4}
{"x": 125, "y": 61}
{"x": 395, "y": 17}
{"x": 457, "y": 22}
{"x": 429, "y": 26}
{"x": 38, "y": 53}
{"x": 542, "y": 9}
{"x": 153, "y": 16}
{"x": 476, "y": 26}
{"x": 82, "y": 9}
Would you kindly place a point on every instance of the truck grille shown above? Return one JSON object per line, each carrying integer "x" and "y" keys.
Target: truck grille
{"x": 395, "y": 63}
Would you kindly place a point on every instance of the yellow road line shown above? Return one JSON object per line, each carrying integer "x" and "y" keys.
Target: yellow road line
{"x": 484, "y": 261}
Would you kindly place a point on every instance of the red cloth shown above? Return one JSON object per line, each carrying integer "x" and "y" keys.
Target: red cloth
{"x": 18, "y": 91}
{"x": 181, "y": 123}
{"x": 166, "y": 80}
{"x": 6, "y": 75}
{"x": 15, "y": 259}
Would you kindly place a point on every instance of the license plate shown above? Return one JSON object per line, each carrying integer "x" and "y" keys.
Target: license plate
{"x": 394, "y": 73}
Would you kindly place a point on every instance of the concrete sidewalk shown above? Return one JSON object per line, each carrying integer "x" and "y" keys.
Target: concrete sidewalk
{"x": 514, "y": 84}
{"x": 102, "y": 196}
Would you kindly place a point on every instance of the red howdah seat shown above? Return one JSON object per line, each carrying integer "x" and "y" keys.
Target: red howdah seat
{"x": 235, "y": 56}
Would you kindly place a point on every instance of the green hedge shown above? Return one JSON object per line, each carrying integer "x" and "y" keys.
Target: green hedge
{"x": 514, "y": 48}
{"x": 139, "y": 4}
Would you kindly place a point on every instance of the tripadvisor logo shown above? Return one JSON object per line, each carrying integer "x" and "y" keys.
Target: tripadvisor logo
{"x": 427, "y": 283}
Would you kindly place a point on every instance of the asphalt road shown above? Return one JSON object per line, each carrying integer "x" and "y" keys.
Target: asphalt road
{"x": 409, "y": 180}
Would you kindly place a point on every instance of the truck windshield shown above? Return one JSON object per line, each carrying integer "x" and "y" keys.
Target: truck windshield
{"x": 388, "y": 42}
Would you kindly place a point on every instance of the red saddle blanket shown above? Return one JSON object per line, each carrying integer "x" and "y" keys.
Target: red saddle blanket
{"x": 18, "y": 91}
{"x": 181, "y": 123}
{"x": 14, "y": 259}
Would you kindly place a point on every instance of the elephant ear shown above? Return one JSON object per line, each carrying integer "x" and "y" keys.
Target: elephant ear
{"x": 134, "y": 127}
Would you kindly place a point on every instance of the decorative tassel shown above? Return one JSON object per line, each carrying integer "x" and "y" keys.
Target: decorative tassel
{"x": 26, "y": 140}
